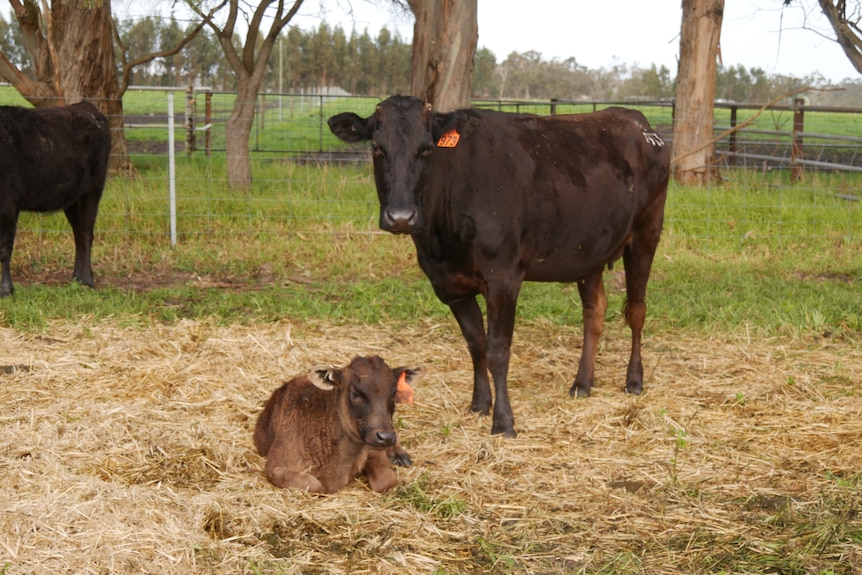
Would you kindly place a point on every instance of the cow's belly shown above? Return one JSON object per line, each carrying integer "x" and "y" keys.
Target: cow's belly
{"x": 574, "y": 256}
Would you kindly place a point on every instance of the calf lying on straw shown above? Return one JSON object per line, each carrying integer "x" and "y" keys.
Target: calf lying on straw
{"x": 321, "y": 431}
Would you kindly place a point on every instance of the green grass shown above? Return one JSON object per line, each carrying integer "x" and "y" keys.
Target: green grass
{"x": 753, "y": 253}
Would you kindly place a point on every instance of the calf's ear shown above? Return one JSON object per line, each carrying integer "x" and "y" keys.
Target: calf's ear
{"x": 324, "y": 377}
{"x": 407, "y": 378}
{"x": 349, "y": 127}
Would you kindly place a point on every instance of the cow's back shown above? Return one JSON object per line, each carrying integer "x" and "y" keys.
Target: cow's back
{"x": 53, "y": 155}
{"x": 562, "y": 191}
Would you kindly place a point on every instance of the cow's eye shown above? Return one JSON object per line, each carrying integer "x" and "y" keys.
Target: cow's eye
{"x": 425, "y": 152}
{"x": 375, "y": 149}
{"x": 357, "y": 397}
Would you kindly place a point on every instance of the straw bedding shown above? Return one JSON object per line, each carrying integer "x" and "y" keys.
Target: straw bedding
{"x": 127, "y": 449}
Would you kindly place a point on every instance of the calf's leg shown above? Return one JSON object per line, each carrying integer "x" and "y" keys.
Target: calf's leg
{"x": 380, "y": 474}
{"x": 284, "y": 477}
{"x": 595, "y": 303}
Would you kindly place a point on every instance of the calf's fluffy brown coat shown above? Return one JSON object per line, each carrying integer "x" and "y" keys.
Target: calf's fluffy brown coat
{"x": 321, "y": 431}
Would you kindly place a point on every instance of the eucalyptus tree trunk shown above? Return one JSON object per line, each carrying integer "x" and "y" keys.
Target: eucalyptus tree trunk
{"x": 248, "y": 62}
{"x": 72, "y": 54}
{"x": 847, "y": 31}
{"x": 445, "y": 35}
{"x": 693, "y": 158}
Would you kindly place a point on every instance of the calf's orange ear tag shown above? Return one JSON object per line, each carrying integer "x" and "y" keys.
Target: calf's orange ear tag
{"x": 449, "y": 139}
{"x": 404, "y": 393}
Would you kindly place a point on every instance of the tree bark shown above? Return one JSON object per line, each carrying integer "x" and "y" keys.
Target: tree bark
{"x": 445, "y": 35}
{"x": 71, "y": 48}
{"x": 249, "y": 66}
{"x": 849, "y": 40}
{"x": 693, "y": 159}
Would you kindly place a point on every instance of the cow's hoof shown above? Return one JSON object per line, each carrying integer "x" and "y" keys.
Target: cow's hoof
{"x": 480, "y": 408}
{"x": 505, "y": 431}
{"x": 578, "y": 391}
{"x": 634, "y": 387}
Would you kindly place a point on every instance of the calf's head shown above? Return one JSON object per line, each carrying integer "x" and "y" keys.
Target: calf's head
{"x": 403, "y": 132}
{"x": 368, "y": 392}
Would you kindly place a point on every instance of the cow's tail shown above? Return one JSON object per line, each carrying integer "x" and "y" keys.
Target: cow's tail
{"x": 264, "y": 434}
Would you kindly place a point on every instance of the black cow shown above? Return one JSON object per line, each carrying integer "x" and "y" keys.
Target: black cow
{"x": 52, "y": 159}
{"x": 492, "y": 199}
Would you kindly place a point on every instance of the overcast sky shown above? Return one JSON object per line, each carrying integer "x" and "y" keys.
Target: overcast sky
{"x": 755, "y": 33}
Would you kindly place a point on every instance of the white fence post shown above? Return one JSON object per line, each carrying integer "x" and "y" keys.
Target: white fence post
{"x": 172, "y": 176}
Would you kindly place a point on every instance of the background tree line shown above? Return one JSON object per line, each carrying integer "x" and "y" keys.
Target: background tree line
{"x": 360, "y": 63}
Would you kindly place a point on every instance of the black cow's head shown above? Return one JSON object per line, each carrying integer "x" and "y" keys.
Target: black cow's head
{"x": 369, "y": 390}
{"x": 403, "y": 132}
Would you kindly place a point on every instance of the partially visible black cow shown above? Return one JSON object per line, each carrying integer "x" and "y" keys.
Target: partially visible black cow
{"x": 52, "y": 159}
{"x": 493, "y": 199}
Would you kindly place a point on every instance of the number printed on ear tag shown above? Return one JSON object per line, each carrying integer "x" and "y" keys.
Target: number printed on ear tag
{"x": 449, "y": 139}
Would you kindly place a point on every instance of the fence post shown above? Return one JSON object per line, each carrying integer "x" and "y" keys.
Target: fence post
{"x": 732, "y": 145}
{"x": 208, "y": 121}
{"x": 553, "y": 106}
{"x": 796, "y": 148}
{"x": 172, "y": 176}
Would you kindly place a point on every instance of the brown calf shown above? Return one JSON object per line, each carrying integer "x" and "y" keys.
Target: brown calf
{"x": 321, "y": 431}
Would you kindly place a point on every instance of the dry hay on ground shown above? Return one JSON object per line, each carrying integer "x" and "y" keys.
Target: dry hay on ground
{"x": 128, "y": 450}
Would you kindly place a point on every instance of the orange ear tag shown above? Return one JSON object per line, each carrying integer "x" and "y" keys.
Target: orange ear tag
{"x": 404, "y": 393}
{"x": 449, "y": 139}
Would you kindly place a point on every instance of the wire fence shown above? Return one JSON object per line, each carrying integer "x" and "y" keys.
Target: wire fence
{"x": 304, "y": 176}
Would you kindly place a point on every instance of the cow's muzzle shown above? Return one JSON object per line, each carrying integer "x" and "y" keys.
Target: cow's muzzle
{"x": 402, "y": 221}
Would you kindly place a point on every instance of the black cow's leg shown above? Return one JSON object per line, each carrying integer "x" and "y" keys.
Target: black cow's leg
{"x": 82, "y": 217}
{"x": 637, "y": 259}
{"x": 501, "y": 323}
{"x": 468, "y": 314}
{"x": 595, "y": 303}
{"x": 8, "y": 225}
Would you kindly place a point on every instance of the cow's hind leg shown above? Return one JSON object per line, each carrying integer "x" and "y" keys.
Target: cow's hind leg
{"x": 637, "y": 259}
{"x": 82, "y": 217}
{"x": 8, "y": 225}
{"x": 595, "y": 303}
{"x": 468, "y": 314}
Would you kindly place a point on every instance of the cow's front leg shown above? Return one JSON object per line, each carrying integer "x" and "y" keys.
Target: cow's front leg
{"x": 595, "y": 303}
{"x": 502, "y": 302}
{"x": 468, "y": 314}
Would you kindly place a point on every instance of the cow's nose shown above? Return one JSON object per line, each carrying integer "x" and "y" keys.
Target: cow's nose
{"x": 386, "y": 438}
{"x": 399, "y": 221}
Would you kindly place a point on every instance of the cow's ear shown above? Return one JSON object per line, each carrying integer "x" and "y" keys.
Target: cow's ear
{"x": 349, "y": 127}
{"x": 324, "y": 378}
{"x": 442, "y": 123}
